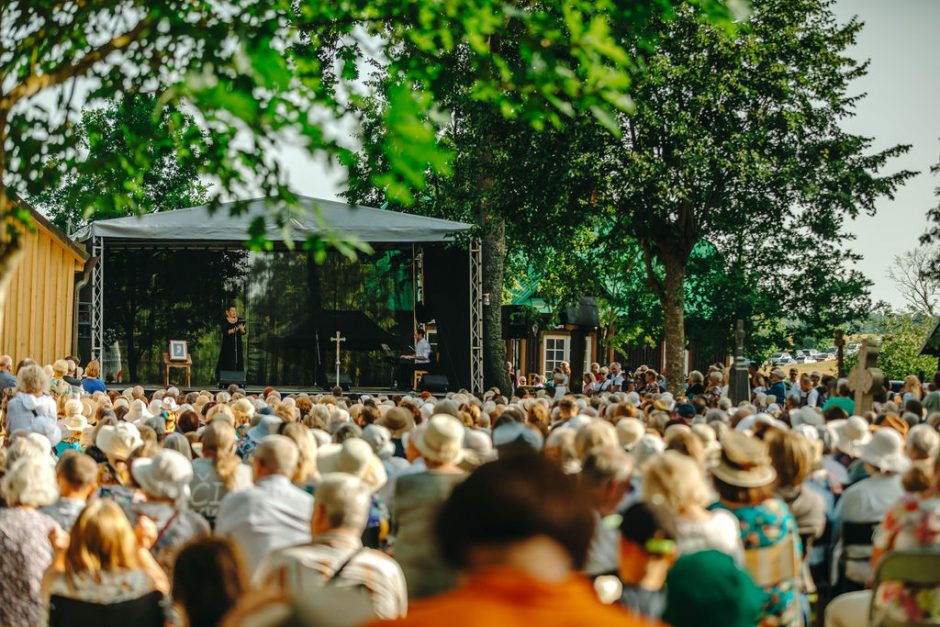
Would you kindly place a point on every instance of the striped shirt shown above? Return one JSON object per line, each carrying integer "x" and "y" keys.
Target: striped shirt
{"x": 299, "y": 569}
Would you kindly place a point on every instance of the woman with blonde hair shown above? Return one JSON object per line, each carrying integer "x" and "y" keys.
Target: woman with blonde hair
{"x": 698, "y": 528}
{"x": 305, "y": 476}
{"x": 104, "y": 573}
{"x": 218, "y": 472}
{"x": 91, "y": 380}
{"x": 912, "y": 389}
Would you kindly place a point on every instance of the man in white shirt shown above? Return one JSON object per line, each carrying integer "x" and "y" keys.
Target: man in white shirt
{"x": 273, "y": 513}
{"x": 422, "y": 348}
{"x": 335, "y": 554}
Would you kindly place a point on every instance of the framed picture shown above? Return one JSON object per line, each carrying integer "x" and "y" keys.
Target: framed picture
{"x": 178, "y": 350}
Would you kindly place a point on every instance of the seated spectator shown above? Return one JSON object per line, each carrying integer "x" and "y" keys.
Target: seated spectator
{"x": 792, "y": 457}
{"x": 272, "y": 514}
{"x": 336, "y": 556}
{"x": 116, "y": 442}
{"x": 218, "y": 472}
{"x": 417, "y": 499}
{"x": 102, "y": 564}
{"x": 32, "y": 401}
{"x": 647, "y": 551}
{"x": 519, "y": 529}
{"x": 697, "y": 529}
{"x": 91, "y": 379}
{"x": 164, "y": 480}
{"x": 208, "y": 580}
{"x": 605, "y": 475}
{"x": 77, "y": 476}
{"x": 25, "y": 551}
{"x": 730, "y": 598}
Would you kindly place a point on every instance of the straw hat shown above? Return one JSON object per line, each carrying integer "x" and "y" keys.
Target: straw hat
{"x": 852, "y": 434}
{"x": 629, "y": 432}
{"x": 441, "y": 440}
{"x": 60, "y": 366}
{"x": 166, "y": 475}
{"x": 355, "y": 457}
{"x": 138, "y": 412}
{"x": 885, "y": 451}
{"x": 744, "y": 462}
{"x": 118, "y": 440}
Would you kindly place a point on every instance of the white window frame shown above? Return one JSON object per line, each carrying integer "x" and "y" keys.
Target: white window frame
{"x": 566, "y": 351}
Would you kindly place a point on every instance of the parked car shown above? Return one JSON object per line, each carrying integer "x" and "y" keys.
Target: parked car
{"x": 781, "y": 359}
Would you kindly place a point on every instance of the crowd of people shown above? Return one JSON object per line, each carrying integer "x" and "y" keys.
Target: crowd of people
{"x": 625, "y": 504}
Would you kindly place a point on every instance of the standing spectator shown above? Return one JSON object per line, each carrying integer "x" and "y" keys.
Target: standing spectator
{"x": 91, "y": 379}
{"x": 696, "y": 386}
{"x": 778, "y": 387}
{"x": 931, "y": 402}
{"x": 77, "y": 476}
{"x": 208, "y": 580}
{"x": 25, "y": 550}
{"x": 103, "y": 575}
{"x": 744, "y": 480}
{"x": 272, "y": 514}
{"x": 336, "y": 556}
{"x": 32, "y": 401}
{"x": 417, "y": 499}
{"x": 842, "y": 399}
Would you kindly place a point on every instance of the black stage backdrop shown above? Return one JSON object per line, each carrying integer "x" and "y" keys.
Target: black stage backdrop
{"x": 293, "y": 306}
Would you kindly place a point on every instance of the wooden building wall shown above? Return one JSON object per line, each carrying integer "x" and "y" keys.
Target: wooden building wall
{"x": 38, "y": 311}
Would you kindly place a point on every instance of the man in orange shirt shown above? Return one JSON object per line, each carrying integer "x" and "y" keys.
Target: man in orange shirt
{"x": 518, "y": 529}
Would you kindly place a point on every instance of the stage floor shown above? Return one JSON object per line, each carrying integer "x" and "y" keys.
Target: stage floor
{"x": 150, "y": 388}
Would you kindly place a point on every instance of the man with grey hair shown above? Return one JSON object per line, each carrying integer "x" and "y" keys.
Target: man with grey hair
{"x": 923, "y": 443}
{"x": 7, "y": 379}
{"x": 606, "y": 475}
{"x": 273, "y": 513}
{"x": 335, "y": 555}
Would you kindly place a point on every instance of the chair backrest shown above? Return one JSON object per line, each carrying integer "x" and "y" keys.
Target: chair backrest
{"x": 770, "y": 565}
{"x": 858, "y": 533}
{"x": 146, "y": 611}
{"x": 917, "y": 567}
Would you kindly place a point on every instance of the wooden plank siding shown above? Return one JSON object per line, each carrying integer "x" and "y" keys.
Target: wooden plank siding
{"x": 39, "y": 305}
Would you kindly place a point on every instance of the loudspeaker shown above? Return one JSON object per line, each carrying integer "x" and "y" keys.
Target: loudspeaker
{"x": 345, "y": 381}
{"x": 584, "y": 313}
{"x": 433, "y": 383}
{"x": 228, "y": 377}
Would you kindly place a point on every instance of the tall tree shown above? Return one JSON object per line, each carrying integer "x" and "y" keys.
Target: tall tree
{"x": 738, "y": 141}
{"x": 522, "y": 179}
{"x": 914, "y": 275}
{"x": 122, "y": 175}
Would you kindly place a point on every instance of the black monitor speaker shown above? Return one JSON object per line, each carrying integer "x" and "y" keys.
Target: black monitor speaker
{"x": 433, "y": 383}
{"x": 228, "y": 377}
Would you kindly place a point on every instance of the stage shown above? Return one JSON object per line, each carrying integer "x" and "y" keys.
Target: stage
{"x": 285, "y": 390}
{"x": 171, "y": 275}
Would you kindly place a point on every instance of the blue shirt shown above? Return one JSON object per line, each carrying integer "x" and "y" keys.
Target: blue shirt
{"x": 93, "y": 385}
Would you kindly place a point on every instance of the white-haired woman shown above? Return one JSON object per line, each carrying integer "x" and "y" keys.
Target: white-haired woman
{"x": 698, "y": 529}
{"x": 25, "y": 549}
{"x": 32, "y": 400}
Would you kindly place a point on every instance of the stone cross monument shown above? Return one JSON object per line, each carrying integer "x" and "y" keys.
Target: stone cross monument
{"x": 739, "y": 387}
{"x": 866, "y": 378}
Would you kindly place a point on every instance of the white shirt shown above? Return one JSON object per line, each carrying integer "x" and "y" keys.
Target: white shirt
{"x": 423, "y": 351}
{"x": 868, "y": 500}
{"x": 721, "y": 532}
{"x": 271, "y": 515}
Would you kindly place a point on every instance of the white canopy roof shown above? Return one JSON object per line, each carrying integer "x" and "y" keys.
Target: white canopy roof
{"x": 195, "y": 224}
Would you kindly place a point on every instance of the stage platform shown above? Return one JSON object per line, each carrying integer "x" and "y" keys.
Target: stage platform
{"x": 285, "y": 390}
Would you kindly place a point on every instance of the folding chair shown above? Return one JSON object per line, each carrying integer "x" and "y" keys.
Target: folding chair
{"x": 919, "y": 567}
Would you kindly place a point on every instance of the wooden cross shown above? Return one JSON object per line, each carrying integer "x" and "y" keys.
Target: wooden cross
{"x": 339, "y": 339}
{"x": 866, "y": 378}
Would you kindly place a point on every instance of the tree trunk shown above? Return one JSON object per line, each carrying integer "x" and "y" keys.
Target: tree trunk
{"x": 494, "y": 257}
{"x": 674, "y": 324}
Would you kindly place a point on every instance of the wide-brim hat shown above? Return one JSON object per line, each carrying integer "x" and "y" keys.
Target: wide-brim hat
{"x": 118, "y": 440}
{"x": 355, "y": 457}
{"x": 441, "y": 440}
{"x": 266, "y": 426}
{"x": 629, "y": 432}
{"x": 744, "y": 462}
{"x": 380, "y": 439}
{"x": 397, "y": 420}
{"x": 852, "y": 434}
{"x": 169, "y": 404}
{"x": 138, "y": 412}
{"x": 76, "y": 424}
{"x": 885, "y": 451}
{"x": 166, "y": 475}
